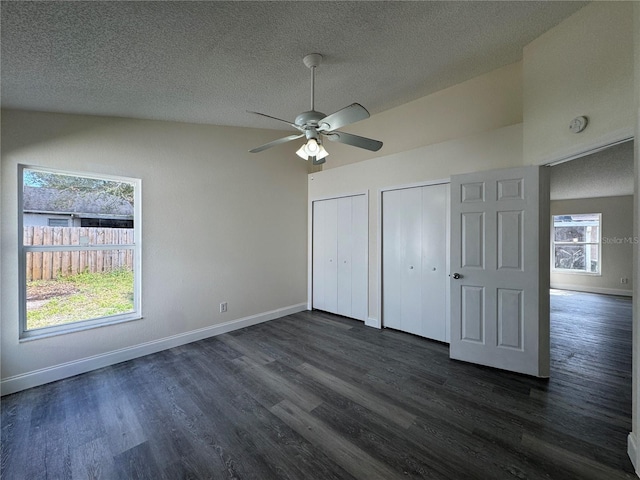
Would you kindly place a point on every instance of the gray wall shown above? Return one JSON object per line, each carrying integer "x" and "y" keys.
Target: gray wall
{"x": 616, "y": 257}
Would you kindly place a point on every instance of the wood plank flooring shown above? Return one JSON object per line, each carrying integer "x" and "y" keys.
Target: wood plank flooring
{"x": 317, "y": 396}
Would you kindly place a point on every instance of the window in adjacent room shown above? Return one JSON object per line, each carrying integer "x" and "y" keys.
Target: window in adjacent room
{"x": 74, "y": 276}
{"x": 58, "y": 222}
{"x": 576, "y": 243}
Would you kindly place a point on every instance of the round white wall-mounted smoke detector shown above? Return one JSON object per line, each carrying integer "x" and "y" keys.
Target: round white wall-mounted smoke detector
{"x": 578, "y": 124}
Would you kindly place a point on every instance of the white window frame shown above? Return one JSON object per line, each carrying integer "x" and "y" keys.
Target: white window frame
{"x": 136, "y": 247}
{"x": 554, "y": 269}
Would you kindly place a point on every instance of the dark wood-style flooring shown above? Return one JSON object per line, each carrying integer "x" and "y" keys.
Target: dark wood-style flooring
{"x": 316, "y": 396}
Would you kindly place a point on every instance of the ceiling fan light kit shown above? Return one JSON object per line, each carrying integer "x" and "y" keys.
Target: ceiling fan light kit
{"x": 314, "y": 124}
{"x": 312, "y": 149}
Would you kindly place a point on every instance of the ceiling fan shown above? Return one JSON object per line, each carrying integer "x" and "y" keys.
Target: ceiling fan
{"x": 314, "y": 125}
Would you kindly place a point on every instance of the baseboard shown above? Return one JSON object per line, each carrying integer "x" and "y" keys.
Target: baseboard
{"x": 582, "y": 288}
{"x": 632, "y": 451}
{"x": 58, "y": 372}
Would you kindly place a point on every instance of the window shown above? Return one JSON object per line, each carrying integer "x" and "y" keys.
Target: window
{"x": 58, "y": 222}
{"x": 106, "y": 222}
{"x": 72, "y": 276}
{"x": 576, "y": 243}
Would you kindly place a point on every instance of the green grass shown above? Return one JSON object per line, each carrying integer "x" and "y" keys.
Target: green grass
{"x": 81, "y": 297}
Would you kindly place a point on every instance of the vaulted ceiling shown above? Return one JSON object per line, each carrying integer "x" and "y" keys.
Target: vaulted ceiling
{"x": 209, "y": 62}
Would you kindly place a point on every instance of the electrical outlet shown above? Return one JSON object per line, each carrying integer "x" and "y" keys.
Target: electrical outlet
{"x": 223, "y": 307}
{"x": 624, "y": 280}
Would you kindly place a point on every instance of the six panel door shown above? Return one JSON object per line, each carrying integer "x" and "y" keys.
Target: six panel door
{"x": 500, "y": 264}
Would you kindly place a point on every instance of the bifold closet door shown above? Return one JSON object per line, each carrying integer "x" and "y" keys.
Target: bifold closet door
{"x": 340, "y": 232}
{"x": 401, "y": 259}
{"x": 435, "y": 283}
{"x": 352, "y": 256}
{"x": 415, "y": 252}
{"x": 325, "y": 254}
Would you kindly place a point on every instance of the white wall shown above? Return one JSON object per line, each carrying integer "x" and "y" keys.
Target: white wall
{"x": 583, "y": 66}
{"x": 482, "y": 104}
{"x": 218, "y": 224}
{"x": 617, "y": 246}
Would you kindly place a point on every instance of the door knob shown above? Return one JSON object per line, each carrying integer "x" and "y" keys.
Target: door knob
{"x": 456, "y": 276}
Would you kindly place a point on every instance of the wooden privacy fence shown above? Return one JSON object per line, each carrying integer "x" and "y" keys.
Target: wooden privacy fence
{"x": 47, "y": 265}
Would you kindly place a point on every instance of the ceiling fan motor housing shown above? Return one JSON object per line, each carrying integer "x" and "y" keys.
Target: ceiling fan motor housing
{"x": 309, "y": 119}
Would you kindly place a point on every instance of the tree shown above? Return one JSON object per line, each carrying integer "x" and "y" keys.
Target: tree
{"x": 80, "y": 186}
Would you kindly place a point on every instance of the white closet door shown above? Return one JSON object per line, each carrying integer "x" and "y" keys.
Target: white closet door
{"x": 411, "y": 270}
{"x": 435, "y": 254}
{"x": 345, "y": 245}
{"x": 415, "y": 248}
{"x": 392, "y": 258}
{"x": 325, "y": 250}
{"x": 340, "y": 236}
{"x": 402, "y": 259}
{"x": 359, "y": 257}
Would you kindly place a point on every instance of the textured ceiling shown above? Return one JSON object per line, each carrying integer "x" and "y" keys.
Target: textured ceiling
{"x": 208, "y": 62}
{"x": 608, "y": 173}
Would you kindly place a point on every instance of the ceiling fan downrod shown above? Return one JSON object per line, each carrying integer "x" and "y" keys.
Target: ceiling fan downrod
{"x": 312, "y": 61}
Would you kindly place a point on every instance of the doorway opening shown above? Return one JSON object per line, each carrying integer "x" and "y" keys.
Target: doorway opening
{"x": 591, "y": 308}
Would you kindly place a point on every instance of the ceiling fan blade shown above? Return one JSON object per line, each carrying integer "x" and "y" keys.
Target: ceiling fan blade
{"x": 351, "y": 114}
{"x": 275, "y": 142}
{"x": 275, "y": 118}
{"x": 355, "y": 140}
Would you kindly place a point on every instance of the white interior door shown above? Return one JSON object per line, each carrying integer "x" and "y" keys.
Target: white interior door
{"x": 500, "y": 265}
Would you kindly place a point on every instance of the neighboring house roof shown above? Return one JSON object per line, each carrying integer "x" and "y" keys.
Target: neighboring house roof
{"x": 51, "y": 200}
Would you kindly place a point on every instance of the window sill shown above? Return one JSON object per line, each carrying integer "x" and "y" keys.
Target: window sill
{"x": 73, "y": 328}
{"x": 577, "y": 272}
